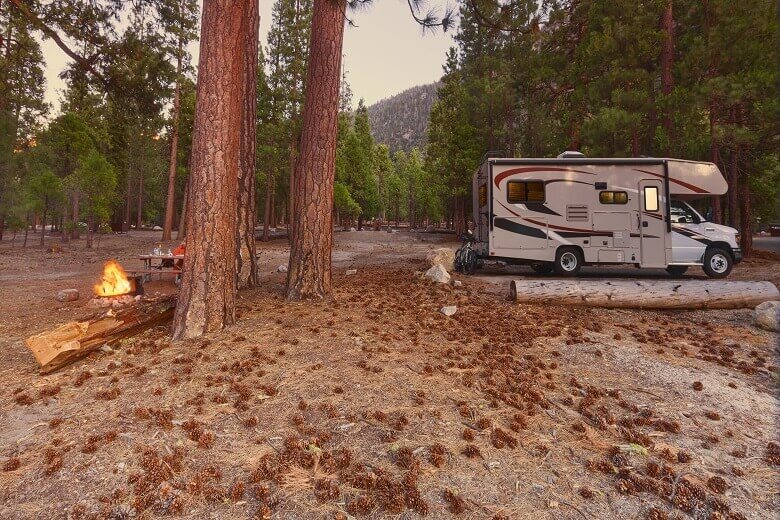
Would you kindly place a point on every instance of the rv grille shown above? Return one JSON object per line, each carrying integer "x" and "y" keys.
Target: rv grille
{"x": 577, "y": 213}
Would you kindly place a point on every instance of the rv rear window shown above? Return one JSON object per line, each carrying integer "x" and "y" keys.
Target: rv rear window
{"x": 482, "y": 195}
{"x": 613, "y": 197}
{"x": 520, "y": 192}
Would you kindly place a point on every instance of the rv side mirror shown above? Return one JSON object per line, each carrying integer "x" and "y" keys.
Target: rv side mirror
{"x": 708, "y": 214}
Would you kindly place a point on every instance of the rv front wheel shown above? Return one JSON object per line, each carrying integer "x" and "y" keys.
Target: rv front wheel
{"x": 717, "y": 263}
{"x": 543, "y": 268}
{"x": 568, "y": 261}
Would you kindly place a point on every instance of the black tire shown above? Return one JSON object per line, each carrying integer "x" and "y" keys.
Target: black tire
{"x": 717, "y": 262}
{"x": 543, "y": 268}
{"x": 458, "y": 260}
{"x": 470, "y": 262}
{"x": 568, "y": 261}
{"x": 677, "y": 270}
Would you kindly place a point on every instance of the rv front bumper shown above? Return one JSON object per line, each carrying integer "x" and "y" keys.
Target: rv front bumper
{"x": 736, "y": 252}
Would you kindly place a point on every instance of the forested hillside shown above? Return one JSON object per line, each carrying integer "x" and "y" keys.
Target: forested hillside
{"x": 401, "y": 121}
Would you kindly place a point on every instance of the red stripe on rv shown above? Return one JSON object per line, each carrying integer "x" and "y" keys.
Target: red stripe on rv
{"x": 684, "y": 184}
{"x": 503, "y": 175}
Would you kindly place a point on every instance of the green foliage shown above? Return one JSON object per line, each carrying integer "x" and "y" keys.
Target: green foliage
{"x": 96, "y": 180}
{"x": 43, "y": 192}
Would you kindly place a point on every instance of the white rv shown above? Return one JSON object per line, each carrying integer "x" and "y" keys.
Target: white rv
{"x": 560, "y": 214}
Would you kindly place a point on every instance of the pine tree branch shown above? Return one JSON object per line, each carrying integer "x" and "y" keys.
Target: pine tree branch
{"x": 86, "y": 64}
{"x": 485, "y": 21}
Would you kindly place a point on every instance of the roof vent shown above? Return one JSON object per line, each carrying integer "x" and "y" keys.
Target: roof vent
{"x": 568, "y": 154}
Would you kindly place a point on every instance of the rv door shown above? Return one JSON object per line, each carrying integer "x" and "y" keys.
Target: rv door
{"x": 652, "y": 230}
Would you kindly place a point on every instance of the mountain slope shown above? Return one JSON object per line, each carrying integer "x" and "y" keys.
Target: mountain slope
{"x": 401, "y": 121}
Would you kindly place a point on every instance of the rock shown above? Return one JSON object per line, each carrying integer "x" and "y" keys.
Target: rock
{"x": 157, "y": 228}
{"x": 352, "y": 229}
{"x": 281, "y": 269}
{"x": 350, "y": 272}
{"x": 67, "y": 295}
{"x": 107, "y": 349}
{"x": 437, "y": 274}
{"x": 457, "y": 283}
{"x": 54, "y": 248}
{"x": 442, "y": 255}
{"x": 449, "y": 310}
{"x": 767, "y": 316}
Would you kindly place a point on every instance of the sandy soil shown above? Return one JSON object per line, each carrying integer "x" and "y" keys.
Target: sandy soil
{"x": 376, "y": 405}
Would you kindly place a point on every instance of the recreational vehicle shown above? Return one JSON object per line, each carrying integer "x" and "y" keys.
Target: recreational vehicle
{"x": 560, "y": 214}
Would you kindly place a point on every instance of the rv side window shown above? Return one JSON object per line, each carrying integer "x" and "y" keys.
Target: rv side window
{"x": 651, "y": 198}
{"x": 613, "y": 197}
{"x": 520, "y": 192}
{"x": 482, "y": 195}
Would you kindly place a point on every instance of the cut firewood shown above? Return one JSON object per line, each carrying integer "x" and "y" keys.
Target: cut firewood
{"x": 645, "y": 294}
{"x": 56, "y": 348}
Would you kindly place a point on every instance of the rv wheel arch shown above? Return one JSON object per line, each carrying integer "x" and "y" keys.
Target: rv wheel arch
{"x": 568, "y": 260}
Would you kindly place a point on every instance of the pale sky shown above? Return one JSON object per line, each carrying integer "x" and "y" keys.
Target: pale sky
{"x": 385, "y": 54}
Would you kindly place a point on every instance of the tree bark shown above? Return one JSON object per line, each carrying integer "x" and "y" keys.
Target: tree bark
{"x": 74, "y": 233}
{"x": 43, "y": 227}
{"x": 246, "y": 267}
{"x": 173, "y": 161}
{"x": 745, "y": 217}
{"x": 181, "y": 234}
{"x": 733, "y": 183}
{"x": 269, "y": 187}
{"x": 309, "y": 273}
{"x": 90, "y": 231}
{"x": 128, "y": 198}
{"x": 139, "y": 215}
{"x": 645, "y": 294}
{"x": 208, "y": 288}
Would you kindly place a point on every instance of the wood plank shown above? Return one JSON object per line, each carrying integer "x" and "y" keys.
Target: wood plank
{"x": 65, "y": 344}
{"x": 645, "y": 294}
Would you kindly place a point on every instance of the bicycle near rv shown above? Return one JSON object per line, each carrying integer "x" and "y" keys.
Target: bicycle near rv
{"x": 560, "y": 214}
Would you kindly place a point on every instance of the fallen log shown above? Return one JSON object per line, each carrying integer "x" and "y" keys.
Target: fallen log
{"x": 644, "y": 294}
{"x": 56, "y": 348}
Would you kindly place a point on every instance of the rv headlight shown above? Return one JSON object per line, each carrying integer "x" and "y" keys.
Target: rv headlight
{"x": 736, "y": 238}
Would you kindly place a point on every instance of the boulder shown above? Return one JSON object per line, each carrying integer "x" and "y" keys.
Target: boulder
{"x": 157, "y": 228}
{"x": 281, "y": 269}
{"x": 767, "y": 316}
{"x": 67, "y": 295}
{"x": 437, "y": 274}
{"x": 457, "y": 283}
{"x": 442, "y": 255}
{"x": 350, "y": 272}
{"x": 449, "y": 310}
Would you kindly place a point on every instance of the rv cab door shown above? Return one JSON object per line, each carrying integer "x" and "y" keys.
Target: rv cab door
{"x": 652, "y": 228}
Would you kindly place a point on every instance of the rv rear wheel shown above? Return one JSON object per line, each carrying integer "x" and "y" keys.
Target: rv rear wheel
{"x": 568, "y": 261}
{"x": 717, "y": 263}
{"x": 543, "y": 268}
{"x": 676, "y": 270}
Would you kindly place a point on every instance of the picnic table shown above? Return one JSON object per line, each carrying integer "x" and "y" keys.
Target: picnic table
{"x": 154, "y": 264}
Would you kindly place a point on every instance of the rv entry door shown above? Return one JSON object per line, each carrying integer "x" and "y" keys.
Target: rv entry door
{"x": 652, "y": 232}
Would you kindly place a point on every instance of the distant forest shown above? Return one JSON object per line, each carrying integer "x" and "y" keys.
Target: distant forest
{"x": 401, "y": 121}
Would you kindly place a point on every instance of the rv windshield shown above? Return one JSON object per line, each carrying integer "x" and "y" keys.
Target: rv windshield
{"x": 682, "y": 213}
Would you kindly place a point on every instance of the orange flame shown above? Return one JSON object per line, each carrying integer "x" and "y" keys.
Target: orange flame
{"x": 114, "y": 280}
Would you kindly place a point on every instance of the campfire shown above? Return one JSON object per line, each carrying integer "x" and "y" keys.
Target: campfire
{"x": 115, "y": 288}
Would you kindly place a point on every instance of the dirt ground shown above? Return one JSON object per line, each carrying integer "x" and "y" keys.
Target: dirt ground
{"x": 376, "y": 405}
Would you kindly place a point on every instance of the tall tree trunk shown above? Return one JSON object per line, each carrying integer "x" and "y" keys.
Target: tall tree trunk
{"x": 207, "y": 296}
{"x": 173, "y": 160}
{"x": 182, "y": 232}
{"x": 26, "y": 228}
{"x": 74, "y": 233}
{"x": 43, "y": 227}
{"x": 309, "y": 274}
{"x": 139, "y": 215}
{"x": 717, "y": 211}
{"x": 745, "y": 217}
{"x": 667, "y": 64}
{"x": 733, "y": 182}
{"x": 268, "y": 208}
{"x": 128, "y": 198}
{"x": 90, "y": 231}
{"x": 246, "y": 267}
{"x": 2, "y": 225}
